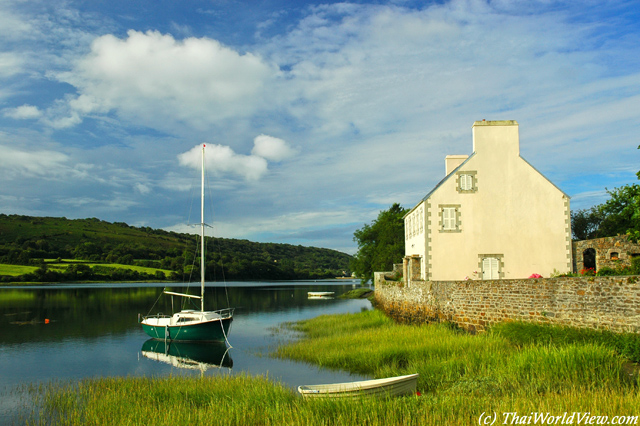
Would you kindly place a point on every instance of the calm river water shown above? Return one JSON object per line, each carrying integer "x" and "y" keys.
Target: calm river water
{"x": 92, "y": 331}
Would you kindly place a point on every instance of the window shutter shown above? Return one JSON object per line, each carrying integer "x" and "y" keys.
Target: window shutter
{"x": 448, "y": 218}
{"x": 464, "y": 182}
{"x": 486, "y": 268}
{"x": 490, "y": 268}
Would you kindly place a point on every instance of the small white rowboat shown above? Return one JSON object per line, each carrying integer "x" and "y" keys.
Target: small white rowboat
{"x": 392, "y": 386}
{"x": 313, "y": 294}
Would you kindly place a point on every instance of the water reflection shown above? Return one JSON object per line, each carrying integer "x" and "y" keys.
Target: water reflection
{"x": 190, "y": 355}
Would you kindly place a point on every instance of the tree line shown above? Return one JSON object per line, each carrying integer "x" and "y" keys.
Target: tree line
{"x": 26, "y": 240}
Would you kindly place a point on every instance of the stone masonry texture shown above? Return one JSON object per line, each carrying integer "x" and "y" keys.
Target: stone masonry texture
{"x": 611, "y": 252}
{"x": 611, "y": 303}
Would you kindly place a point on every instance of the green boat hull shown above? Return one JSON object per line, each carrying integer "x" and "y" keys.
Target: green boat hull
{"x": 210, "y": 331}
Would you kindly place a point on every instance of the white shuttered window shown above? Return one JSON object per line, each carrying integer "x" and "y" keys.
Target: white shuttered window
{"x": 466, "y": 182}
{"x": 490, "y": 268}
{"x": 449, "y": 218}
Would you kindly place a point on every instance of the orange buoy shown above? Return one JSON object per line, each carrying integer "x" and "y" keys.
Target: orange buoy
{"x": 46, "y": 320}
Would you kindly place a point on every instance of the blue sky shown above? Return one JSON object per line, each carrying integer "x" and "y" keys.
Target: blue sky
{"x": 316, "y": 115}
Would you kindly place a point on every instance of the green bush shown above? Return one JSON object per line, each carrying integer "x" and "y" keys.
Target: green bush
{"x": 606, "y": 271}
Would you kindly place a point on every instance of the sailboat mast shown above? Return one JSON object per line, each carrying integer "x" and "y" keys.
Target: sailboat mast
{"x": 202, "y": 234}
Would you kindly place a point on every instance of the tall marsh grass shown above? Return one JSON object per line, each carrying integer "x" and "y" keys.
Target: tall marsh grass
{"x": 461, "y": 377}
{"x": 452, "y": 361}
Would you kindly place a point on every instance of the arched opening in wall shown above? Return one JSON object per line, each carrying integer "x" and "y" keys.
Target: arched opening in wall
{"x": 589, "y": 258}
{"x": 613, "y": 255}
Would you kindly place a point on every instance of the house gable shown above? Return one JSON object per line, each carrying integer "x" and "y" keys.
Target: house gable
{"x": 493, "y": 202}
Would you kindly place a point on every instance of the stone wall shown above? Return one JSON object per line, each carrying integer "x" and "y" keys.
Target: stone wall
{"x": 611, "y": 252}
{"x": 594, "y": 302}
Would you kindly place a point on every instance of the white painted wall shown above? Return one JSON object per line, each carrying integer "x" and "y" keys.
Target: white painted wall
{"x": 515, "y": 212}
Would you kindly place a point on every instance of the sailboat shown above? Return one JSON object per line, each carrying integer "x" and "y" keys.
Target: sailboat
{"x": 192, "y": 325}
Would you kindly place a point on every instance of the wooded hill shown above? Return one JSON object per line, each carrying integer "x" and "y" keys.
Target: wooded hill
{"x": 47, "y": 241}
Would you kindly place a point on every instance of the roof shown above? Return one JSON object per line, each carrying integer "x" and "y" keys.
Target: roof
{"x": 453, "y": 172}
{"x": 439, "y": 184}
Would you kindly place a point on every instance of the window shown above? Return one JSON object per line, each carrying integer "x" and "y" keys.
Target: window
{"x": 449, "y": 218}
{"x": 466, "y": 182}
{"x": 614, "y": 255}
{"x": 491, "y": 265}
{"x": 490, "y": 268}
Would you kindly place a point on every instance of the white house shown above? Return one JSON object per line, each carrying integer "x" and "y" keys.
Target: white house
{"x": 493, "y": 216}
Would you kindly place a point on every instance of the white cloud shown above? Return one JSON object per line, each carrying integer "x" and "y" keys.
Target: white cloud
{"x": 24, "y": 112}
{"x": 142, "y": 188}
{"x": 222, "y": 159}
{"x": 272, "y": 148}
{"x": 12, "y": 25}
{"x": 10, "y": 64}
{"x": 118, "y": 203}
{"x": 18, "y": 162}
{"x": 156, "y": 80}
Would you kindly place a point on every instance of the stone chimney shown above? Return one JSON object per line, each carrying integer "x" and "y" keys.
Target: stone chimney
{"x": 453, "y": 161}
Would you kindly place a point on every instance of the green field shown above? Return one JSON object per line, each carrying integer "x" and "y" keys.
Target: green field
{"x": 103, "y": 266}
{"x": 97, "y": 268}
{"x": 15, "y": 270}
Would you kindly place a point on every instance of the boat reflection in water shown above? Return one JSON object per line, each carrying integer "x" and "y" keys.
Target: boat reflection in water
{"x": 320, "y": 294}
{"x": 191, "y": 355}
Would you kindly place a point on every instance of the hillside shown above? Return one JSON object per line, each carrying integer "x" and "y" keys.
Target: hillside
{"x": 38, "y": 241}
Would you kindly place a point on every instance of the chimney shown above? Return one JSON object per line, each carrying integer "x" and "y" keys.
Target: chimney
{"x": 496, "y": 138}
{"x": 453, "y": 161}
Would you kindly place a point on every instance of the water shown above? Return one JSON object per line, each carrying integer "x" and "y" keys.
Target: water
{"x": 76, "y": 331}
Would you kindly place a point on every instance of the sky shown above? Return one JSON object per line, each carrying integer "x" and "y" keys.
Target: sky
{"x": 316, "y": 115}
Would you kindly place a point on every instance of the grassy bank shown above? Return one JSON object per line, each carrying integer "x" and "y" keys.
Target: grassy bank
{"x": 450, "y": 361}
{"x": 461, "y": 377}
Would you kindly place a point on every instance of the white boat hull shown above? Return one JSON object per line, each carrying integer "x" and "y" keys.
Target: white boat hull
{"x": 392, "y": 386}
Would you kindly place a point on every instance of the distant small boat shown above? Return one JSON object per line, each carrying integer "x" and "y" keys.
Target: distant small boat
{"x": 392, "y": 386}
{"x": 312, "y": 294}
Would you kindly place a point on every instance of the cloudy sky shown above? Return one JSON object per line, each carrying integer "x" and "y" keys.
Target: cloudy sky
{"x": 316, "y": 115}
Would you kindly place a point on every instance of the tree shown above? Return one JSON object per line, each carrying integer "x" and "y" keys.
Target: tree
{"x": 380, "y": 244}
{"x": 585, "y": 223}
{"x": 620, "y": 214}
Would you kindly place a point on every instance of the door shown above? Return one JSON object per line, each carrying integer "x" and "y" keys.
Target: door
{"x": 490, "y": 268}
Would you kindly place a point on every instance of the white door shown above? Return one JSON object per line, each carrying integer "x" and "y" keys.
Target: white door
{"x": 490, "y": 268}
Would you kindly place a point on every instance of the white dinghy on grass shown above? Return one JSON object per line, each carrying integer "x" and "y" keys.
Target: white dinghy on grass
{"x": 391, "y": 386}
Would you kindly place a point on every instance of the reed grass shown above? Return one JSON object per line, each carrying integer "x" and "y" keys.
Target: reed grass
{"x": 451, "y": 361}
{"x": 522, "y": 333}
{"x": 461, "y": 377}
{"x": 243, "y": 400}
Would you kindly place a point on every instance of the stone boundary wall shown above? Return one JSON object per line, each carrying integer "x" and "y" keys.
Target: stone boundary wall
{"x": 611, "y": 303}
